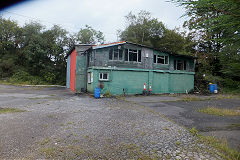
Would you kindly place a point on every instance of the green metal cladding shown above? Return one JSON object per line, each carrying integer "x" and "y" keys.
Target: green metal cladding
{"x": 127, "y": 77}
{"x": 131, "y": 81}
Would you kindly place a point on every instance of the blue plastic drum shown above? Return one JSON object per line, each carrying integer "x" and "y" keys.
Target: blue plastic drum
{"x": 97, "y": 92}
{"x": 213, "y": 88}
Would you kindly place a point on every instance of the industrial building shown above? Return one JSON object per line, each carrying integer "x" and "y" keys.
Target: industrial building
{"x": 123, "y": 68}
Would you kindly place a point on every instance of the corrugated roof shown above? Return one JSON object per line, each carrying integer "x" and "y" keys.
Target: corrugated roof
{"x": 108, "y": 45}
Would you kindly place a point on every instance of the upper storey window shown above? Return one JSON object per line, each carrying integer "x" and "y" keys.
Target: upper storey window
{"x": 160, "y": 59}
{"x": 133, "y": 55}
{"x": 180, "y": 65}
{"x": 115, "y": 54}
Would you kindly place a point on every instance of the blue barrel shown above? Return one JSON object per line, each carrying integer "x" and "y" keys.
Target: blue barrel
{"x": 213, "y": 88}
{"x": 97, "y": 92}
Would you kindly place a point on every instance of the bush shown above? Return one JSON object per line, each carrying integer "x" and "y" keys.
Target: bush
{"x": 24, "y": 77}
{"x": 49, "y": 77}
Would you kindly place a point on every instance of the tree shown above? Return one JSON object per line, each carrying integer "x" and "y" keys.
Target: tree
{"x": 216, "y": 24}
{"x": 36, "y": 55}
{"x": 9, "y": 46}
{"x": 88, "y": 35}
{"x": 144, "y": 29}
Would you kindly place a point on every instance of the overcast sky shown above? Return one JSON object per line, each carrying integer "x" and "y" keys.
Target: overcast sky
{"x": 104, "y": 15}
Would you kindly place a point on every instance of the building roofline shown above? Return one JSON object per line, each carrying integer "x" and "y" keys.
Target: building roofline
{"x": 127, "y": 42}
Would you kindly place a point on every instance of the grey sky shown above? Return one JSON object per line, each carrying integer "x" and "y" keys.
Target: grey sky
{"x": 104, "y": 15}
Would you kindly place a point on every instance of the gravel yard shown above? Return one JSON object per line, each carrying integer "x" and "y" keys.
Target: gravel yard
{"x": 57, "y": 124}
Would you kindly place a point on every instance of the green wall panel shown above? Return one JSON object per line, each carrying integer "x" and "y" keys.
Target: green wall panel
{"x": 160, "y": 83}
{"x": 81, "y": 77}
{"x": 131, "y": 81}
{"x": 180, "y": 83}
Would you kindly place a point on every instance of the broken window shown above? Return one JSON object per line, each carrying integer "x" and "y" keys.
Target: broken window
{"x": 160, "y": 59}
{"x": 115, "y": 54}
{"x": 103, "y": 76}
{"x": 133, "y": 55}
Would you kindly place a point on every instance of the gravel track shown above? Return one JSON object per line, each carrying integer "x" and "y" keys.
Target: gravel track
{"x": 60, "y": 125}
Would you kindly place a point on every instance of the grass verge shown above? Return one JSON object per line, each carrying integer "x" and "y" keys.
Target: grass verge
{"x": 10, "y": 110}
{"x": 225, "y": 151}
{"x": 219, "y": 111}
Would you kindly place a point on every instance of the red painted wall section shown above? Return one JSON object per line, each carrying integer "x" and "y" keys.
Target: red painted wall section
{"x": 73, "y": 70}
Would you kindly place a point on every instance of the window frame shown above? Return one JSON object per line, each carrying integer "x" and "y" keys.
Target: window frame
{"x": 183, "y": 62}
{"x": 115, "y": 50}
{"x": 102, "y": 79}
{"x": 91, "y": 57}
{"x": 90, "y": 77}
{"x": 166, "y": 59}
{"x": 133, "y": 51}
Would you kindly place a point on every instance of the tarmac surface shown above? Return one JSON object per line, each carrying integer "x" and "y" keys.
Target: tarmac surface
{"x": 186, "y": 113}
{"x": 57, "y": 124}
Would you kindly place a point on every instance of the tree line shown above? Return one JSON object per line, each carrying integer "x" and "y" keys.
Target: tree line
{"x": 35, "y": 54}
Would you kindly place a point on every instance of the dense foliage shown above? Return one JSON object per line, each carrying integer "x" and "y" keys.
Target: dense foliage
{"x": 215, "y": 24}
{"x": 36, "y": 55}
{"x": 144, "y": 29}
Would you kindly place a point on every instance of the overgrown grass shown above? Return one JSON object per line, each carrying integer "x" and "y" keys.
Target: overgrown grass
{"x": 10, "y": 110}
{"x": 221, "y": 145}
{"x": 219, "y": 111}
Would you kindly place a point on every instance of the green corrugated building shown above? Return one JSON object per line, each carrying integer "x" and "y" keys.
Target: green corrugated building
{"x": 123, "y": 68}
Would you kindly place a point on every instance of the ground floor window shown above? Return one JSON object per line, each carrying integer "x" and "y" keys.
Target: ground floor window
{"x": 103, "y": 76}
{"x": 180, "y": 65}
{"x": 90, "y": 77}
{"x": 160, "y": 59}
{"x": 133, "y": 55}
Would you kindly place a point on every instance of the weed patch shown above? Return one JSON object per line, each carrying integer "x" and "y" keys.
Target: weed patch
{"x": 221, "y": 146}
{"x": 10, "y": 110}
{"x": 190, "y": 98}
{"x": 225, "y": 151}
{"x": 219, "y": 111}
{"x": 45, "y": 141}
